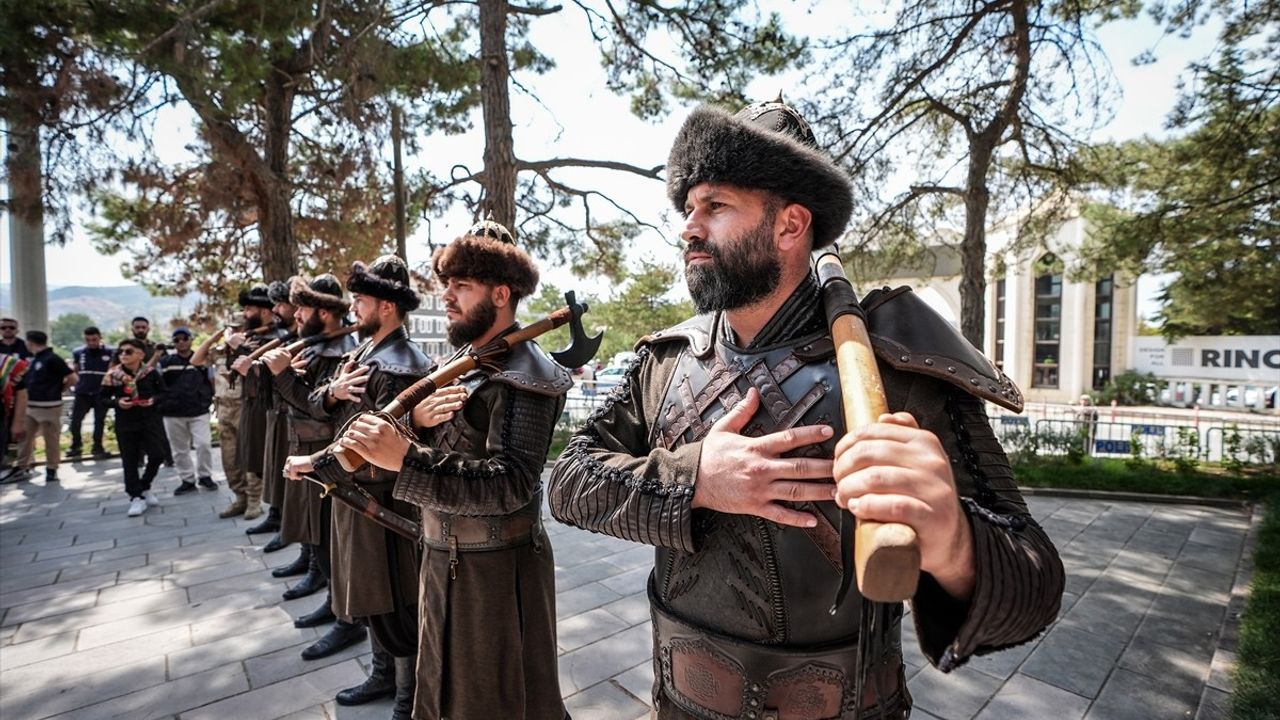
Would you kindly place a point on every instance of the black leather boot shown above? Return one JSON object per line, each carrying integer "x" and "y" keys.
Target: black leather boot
{"x": 406, "y": 684}
{"x": 271, "y": 523}
{"x": 310, "y": 583}
{"x": 322, "y": 615}
{"x": 297, "y": 567}
{"x": 274, "y": 544}
{"x": 341, "y": 636}
{"x": 380, "y": 683}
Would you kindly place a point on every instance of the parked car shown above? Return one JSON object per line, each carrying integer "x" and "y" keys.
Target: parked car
{"x": 609, "y": 377}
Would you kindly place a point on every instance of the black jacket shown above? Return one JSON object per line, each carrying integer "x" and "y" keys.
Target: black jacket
{"x": 189, "y": 390}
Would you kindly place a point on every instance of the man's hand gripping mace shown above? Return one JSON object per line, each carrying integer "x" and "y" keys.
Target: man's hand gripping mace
{"x": 581, "y": 349}
{"x": 886, "y": 556}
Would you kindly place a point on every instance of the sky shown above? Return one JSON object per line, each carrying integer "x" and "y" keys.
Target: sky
{"x": 590, "y": 121}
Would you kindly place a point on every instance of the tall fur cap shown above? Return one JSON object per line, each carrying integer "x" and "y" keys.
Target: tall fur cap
{"x": 386, "y": 278}
{"x": 323, "y": 292}
{"x": 489, "y": 256}
{"x": 256, "y": 296}
{"x": 278, "y": 291}
{"x": 757, "y": 151}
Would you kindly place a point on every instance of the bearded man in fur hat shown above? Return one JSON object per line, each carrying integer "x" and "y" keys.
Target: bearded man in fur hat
{"x": 717, "y": 448}
{"x": 488, "y": 644}
{"x": 251, "y": 429}
{"x": 321, "y": 312}
{"x": 374, "y": 570}
{"x": 274, "y": 441}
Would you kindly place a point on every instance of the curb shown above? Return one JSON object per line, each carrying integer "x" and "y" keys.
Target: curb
{"x": 1134, "y": 497}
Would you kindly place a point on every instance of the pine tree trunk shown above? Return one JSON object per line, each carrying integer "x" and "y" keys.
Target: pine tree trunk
{"x": 499, "y": 147}
{"x": 29, "y": 292}
{"x": 275, "y": 220}
{"x": 973, "y": 248}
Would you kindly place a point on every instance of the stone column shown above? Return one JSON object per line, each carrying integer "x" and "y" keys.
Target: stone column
{"x": 28, "y": 289}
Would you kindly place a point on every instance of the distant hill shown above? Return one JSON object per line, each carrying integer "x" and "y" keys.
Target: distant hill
{"x": 113, "y": 307}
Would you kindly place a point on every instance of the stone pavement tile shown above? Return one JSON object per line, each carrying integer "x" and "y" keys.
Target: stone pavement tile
{"x": 1109, "y": 608}
{"x": 1220, "y": 670}
{"x": 37, "y": 568}
{"x": 241, "y": 646}
{"x": 50, "y": 607}
{"x": 52, "y": 698}
{"x": 99, "y": 659}
{"x": 130, "y": 590}
{"x": 141, "y": 548}
{"x": 638, "y": 681}
{"x": 228, "y": 625}
{"x": 1226, "y": 539}
{"x": 221, "y": 571}
{"x": 13, "y": 559}
{"x": 273, "y": 701}
{"x": 269, "y": 669}
{"x": 1074, "y": 660}
{"x": 1181, "y": 621}
{"x": 605, "y": 701}
{"x": 1157, "y": 544}
{"x": 1214, "y": 705}
{"x": 15, "y": 656}
{"x": 956, "y": 695}
{"x": 260, "y": 580}
{"x": 632, "y": 609}
{"x": 1167, "y": 664}
{"x": 38, "y": 542}
{"x": 132, "y": 611}
{"x": 45, "y": 592}
{"x": 97, "y": 568}
{"x": 146, "y": 572}
{"x": 75, "y": 549}
{"x": 163, "y": 701}
{"x": 629, "y": 582}
{"x": 632, "y": 557}
{"x": 1004, "y": 663}
{"x": 1128, "y": 695}
{"x": 378, "y": 710}
{"x": 583, "y": 598}
{"x": 200, "y": 561}
{"x": 1024, "y": 697}
{"x": 1082, "y": 512}
{"x": 586, "y": 666}
{"x": 572, "y": 577}
{"x": 585, "y": 628}
{"x": 164, "y": 619}
{"x": 9, "y": 583}
{"x": 1210, "y": 585}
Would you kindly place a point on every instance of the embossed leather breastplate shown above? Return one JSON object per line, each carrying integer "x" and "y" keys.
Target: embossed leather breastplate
{"x": 751, "y": 578}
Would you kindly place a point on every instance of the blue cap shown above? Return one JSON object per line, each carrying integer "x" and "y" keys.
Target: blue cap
{"x": 181, "y": 331}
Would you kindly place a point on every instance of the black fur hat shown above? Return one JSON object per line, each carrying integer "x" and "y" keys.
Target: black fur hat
{"x": 766, "y": 146}
{"x": 256, "y": 296}
{"x": 324, "y": 292}
{"x": 386, "y": 278}
{"x": 487, "y": 253}
{"x": 278, "y": 291}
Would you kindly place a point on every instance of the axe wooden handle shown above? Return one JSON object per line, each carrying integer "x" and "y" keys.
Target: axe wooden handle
{"x": 886, "y": 556}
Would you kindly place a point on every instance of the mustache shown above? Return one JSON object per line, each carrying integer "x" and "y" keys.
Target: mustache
{"x": 702, "y": 247}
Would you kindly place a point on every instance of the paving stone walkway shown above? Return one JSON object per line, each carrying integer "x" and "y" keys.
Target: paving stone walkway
{"x": 174, "y": 614}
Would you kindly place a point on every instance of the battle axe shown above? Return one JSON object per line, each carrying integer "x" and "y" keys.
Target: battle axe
{"x": 886, "y": 556}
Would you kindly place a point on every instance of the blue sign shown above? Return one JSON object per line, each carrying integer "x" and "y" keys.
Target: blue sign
{"x": 1157, "y": 430}
{"x": 1014, "y": 420}
{"x": 1111, "y": 447}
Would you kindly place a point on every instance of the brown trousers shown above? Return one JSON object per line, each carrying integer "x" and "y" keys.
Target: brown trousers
{"x": 228, "y": 428}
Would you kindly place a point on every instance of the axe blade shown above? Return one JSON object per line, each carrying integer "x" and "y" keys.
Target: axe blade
{"x": 581, "y": 347}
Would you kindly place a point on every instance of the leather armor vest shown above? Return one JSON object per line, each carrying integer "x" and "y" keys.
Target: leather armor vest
{"x": 751, "y": 578}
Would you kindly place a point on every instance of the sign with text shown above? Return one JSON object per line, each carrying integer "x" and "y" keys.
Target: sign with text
{"x": 1243, "y": 359}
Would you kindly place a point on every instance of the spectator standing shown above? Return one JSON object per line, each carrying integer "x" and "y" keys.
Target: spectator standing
{"x": 13, "y": 412}
{"x": 48, "y": 378}
{"x": 141, "y": 329}
{"x": 136, "y": 388}
{"x": 188, "y": 395}
{"x": 91, "y": 362}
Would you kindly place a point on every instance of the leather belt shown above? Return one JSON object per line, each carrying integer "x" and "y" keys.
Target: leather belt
{"x": 718, "y": 677}
{"x": 307, "y": 430}
{"x": 472, "y": 533}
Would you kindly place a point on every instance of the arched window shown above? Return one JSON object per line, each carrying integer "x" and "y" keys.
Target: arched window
{"x": 1048, "y": 322}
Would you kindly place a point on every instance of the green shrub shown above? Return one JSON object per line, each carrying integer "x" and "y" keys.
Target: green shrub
{"x": 1128, "y": 388}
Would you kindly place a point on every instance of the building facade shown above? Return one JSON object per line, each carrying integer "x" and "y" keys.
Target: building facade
{"x": 427, "y": 327}
{"x": 1056, "y": 338}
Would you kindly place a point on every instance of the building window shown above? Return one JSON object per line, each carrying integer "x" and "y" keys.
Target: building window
{"x": 1048, "y": 323}
{"x": 1000, "y": 285}
{"x": 1104, "y": 299}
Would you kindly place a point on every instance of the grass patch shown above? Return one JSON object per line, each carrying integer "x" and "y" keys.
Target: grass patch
{"x": 1257, "y": 674}
{"x": 1122, "y": 476}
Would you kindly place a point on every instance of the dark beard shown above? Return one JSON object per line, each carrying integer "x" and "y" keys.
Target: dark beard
{"x": 742, "y": 270}
{"x": 473, "y": 324}
{"x": 312, "y": 327}
{"x": 140, "y": 336}
{"x": 370, "y": 327}
{"x": 252, "y": 322}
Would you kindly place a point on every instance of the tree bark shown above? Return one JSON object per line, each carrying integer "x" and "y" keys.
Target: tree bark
{"x": 973, "y": 248}
{"x": 275, "y": 220}
{"x": 499, "y": 180}
{"x": 29, "y": 292}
